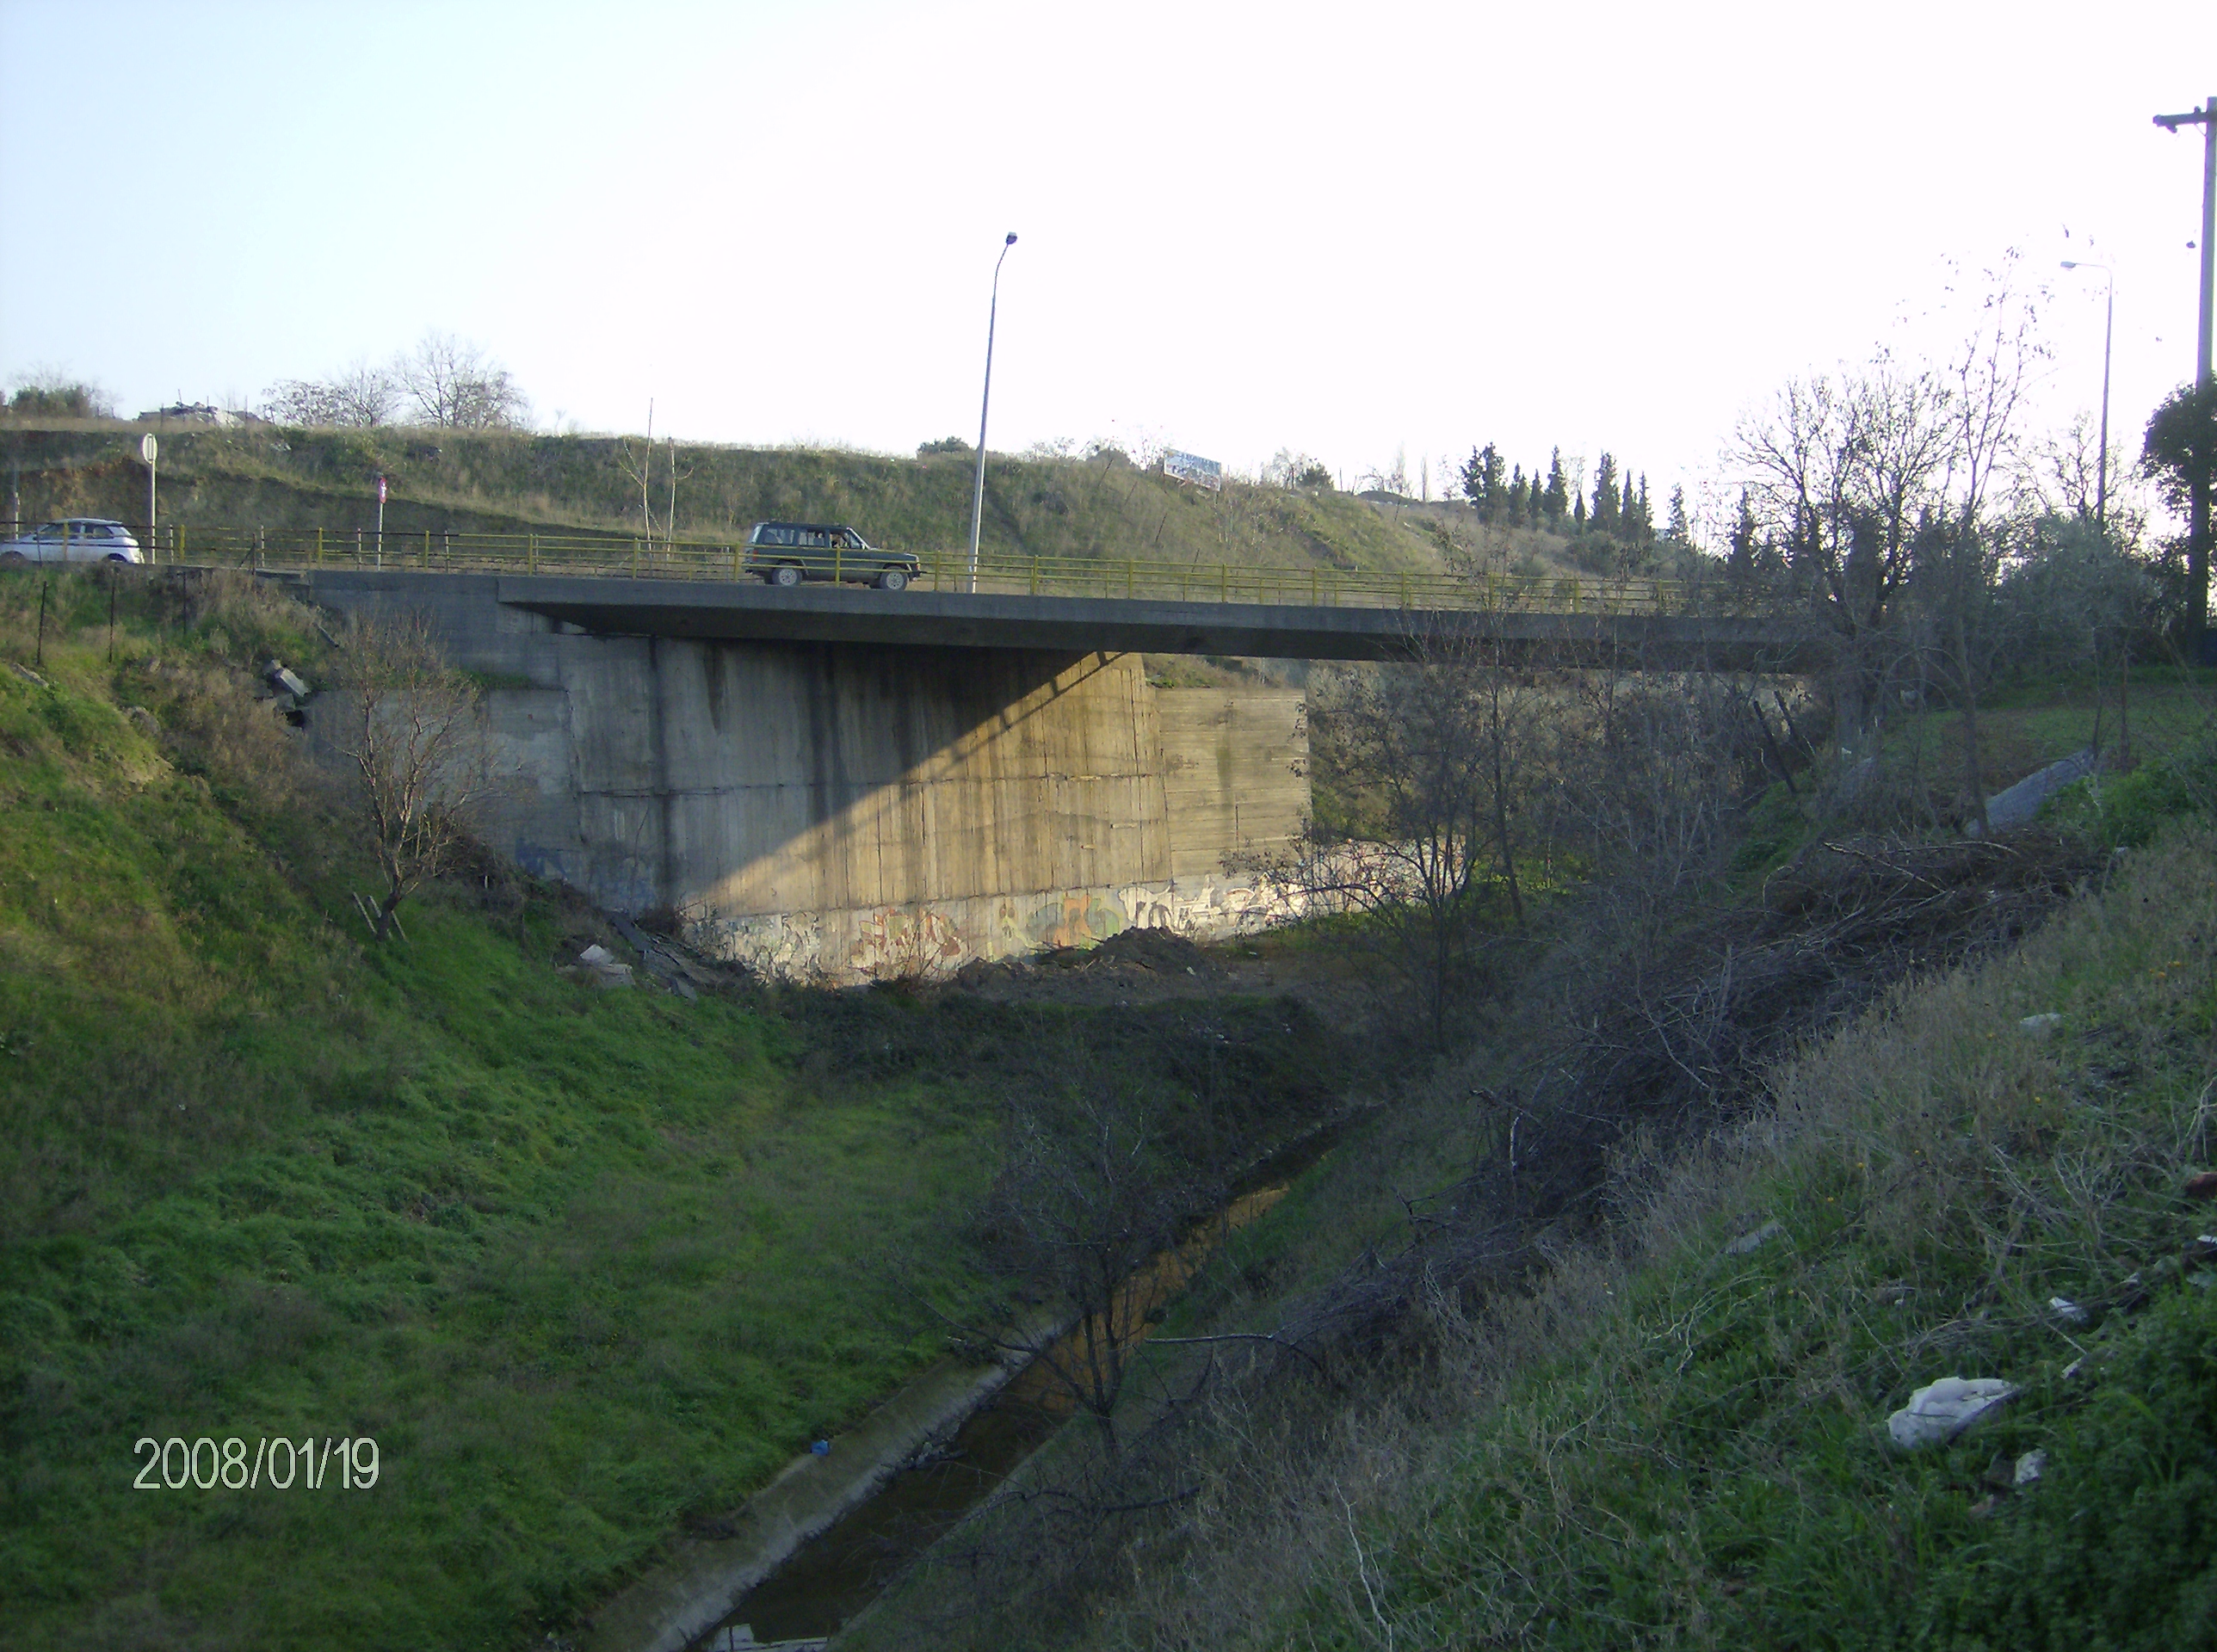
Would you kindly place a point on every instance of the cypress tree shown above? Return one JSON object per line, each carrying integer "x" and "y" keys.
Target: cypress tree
{"x": 1482, "y": 485}
{"x": 1516, "y": 494}
{"x": 1739, "y": 559}
{"x": 1557, "y": 500}
{"x": 1607, "y": 517}
{"x": 1638, "y": 515}
{"x": 1680, "y": 531}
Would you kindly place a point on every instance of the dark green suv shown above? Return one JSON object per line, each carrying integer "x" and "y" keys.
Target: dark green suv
{"x": 785, "y": 553}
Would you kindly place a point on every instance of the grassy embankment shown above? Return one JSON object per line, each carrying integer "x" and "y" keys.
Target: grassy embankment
{"x": 503, "y": 481}
{"x": 1642, "y": 1438}
{"x": 582, "y": 1262}
{"x": 1667, "y": 1444}
{"x": 1686, "y": 1449}
{"x": 2025, "y": 725}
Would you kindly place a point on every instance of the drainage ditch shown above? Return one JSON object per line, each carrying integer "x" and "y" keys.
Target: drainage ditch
{"x": 833, "y": 1576}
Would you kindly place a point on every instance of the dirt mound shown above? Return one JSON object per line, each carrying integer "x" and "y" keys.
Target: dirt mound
{"x": 1147, "y": 962}
{"x": 1156, "y": 950}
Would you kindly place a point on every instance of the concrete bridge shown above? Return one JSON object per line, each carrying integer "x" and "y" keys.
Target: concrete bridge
{"x": 750, "y": 612}
{"x": 850, "y": 783}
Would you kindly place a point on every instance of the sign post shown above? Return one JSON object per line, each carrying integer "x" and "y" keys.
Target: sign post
{"x": 380, "y": 520}
{"x": 148, "y": 451}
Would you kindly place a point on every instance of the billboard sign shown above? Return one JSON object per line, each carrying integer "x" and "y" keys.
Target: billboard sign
{"x": 1190, "y": 467}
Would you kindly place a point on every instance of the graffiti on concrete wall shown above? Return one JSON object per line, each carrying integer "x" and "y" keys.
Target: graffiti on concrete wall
{"x": 903, "y": 940}
{"x": 1082, "y": 918}
{"x": 935, "y": 938}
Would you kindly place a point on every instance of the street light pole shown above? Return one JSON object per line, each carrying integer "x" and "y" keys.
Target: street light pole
{"x": 984, "y": 403}
{"x": 2108, "y": 319}
{"x": 2197, "y": 528}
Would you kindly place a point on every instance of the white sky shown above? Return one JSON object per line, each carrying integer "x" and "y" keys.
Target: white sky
{"x": 1338, "y": 229}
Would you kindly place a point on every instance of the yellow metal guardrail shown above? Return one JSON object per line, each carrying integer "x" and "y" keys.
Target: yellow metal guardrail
{"x": 434, "y": 551}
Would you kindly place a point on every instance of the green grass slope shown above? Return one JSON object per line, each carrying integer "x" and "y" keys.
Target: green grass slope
{"x": 582, "y": 1263}
{"x": 1672, "y": 1444}
{"x": 516, "y": 482}
{"x": 578, "y": 1262}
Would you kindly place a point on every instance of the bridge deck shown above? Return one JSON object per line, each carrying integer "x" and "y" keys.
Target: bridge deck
{"x": 750, "y": 611}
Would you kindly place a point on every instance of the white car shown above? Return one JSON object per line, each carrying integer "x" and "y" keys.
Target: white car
{"x": 76, "y": 538}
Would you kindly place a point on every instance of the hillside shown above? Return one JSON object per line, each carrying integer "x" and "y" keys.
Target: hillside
{"x": 514, "y": 482}
{"x": 586, "y": 1265}
{"x": 1592, "y": 1339}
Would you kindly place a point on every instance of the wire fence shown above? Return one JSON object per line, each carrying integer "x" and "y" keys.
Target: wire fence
{"x": 433, "y": 550}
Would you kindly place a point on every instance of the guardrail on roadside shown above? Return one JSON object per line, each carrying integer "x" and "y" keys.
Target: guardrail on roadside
{"x": 1132, "y": 578}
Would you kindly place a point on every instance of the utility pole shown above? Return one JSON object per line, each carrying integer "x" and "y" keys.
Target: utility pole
{"x": 2197, "y": 530}
{"x": 985, "y": 402}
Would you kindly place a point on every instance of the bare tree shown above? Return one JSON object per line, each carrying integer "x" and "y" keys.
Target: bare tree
{"x": 1288, "y": 469}
{"x": 638, "y": 466}
{"x": 1839, "y": 470}
{"x": 670, "y": 513}
{"x": 1881, "y": 478}
{"x": 1649, "y": 769}
{"x": 1983, "y": 394}
{"x": 455, "y": 385}
{"x": 413, "y": 729}
{"x": 1087, "y": 1199}
{"x": 1436, "y": 767}
{"x": 360, "y": 397}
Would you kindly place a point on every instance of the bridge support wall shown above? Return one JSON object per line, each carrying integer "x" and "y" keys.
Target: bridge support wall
{"x": 852, "y": 811}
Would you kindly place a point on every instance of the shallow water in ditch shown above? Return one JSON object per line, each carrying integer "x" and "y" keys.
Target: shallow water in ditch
{"x": 834, "y": 1575}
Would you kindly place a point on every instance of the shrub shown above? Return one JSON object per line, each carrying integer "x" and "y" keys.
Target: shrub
{"x": 2127, "y": 810}
{"x": 50, "y": 395}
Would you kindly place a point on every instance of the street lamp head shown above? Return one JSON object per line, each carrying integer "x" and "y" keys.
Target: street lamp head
{"x": 1012, "y": 241}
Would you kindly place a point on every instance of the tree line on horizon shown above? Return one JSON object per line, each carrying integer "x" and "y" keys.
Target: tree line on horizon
{"x": 1505, "y": 495}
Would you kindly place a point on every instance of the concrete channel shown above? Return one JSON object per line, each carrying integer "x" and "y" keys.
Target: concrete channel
{"x": 696, "y": 1599}
{"x": 691, "y": 1592}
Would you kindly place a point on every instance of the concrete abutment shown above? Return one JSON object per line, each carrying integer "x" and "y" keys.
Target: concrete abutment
{"x": 854, "y": 811}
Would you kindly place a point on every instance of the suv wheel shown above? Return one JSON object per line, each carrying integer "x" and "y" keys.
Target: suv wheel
{"x": 785, "y": 574}
{"x": 893, "y": 579}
